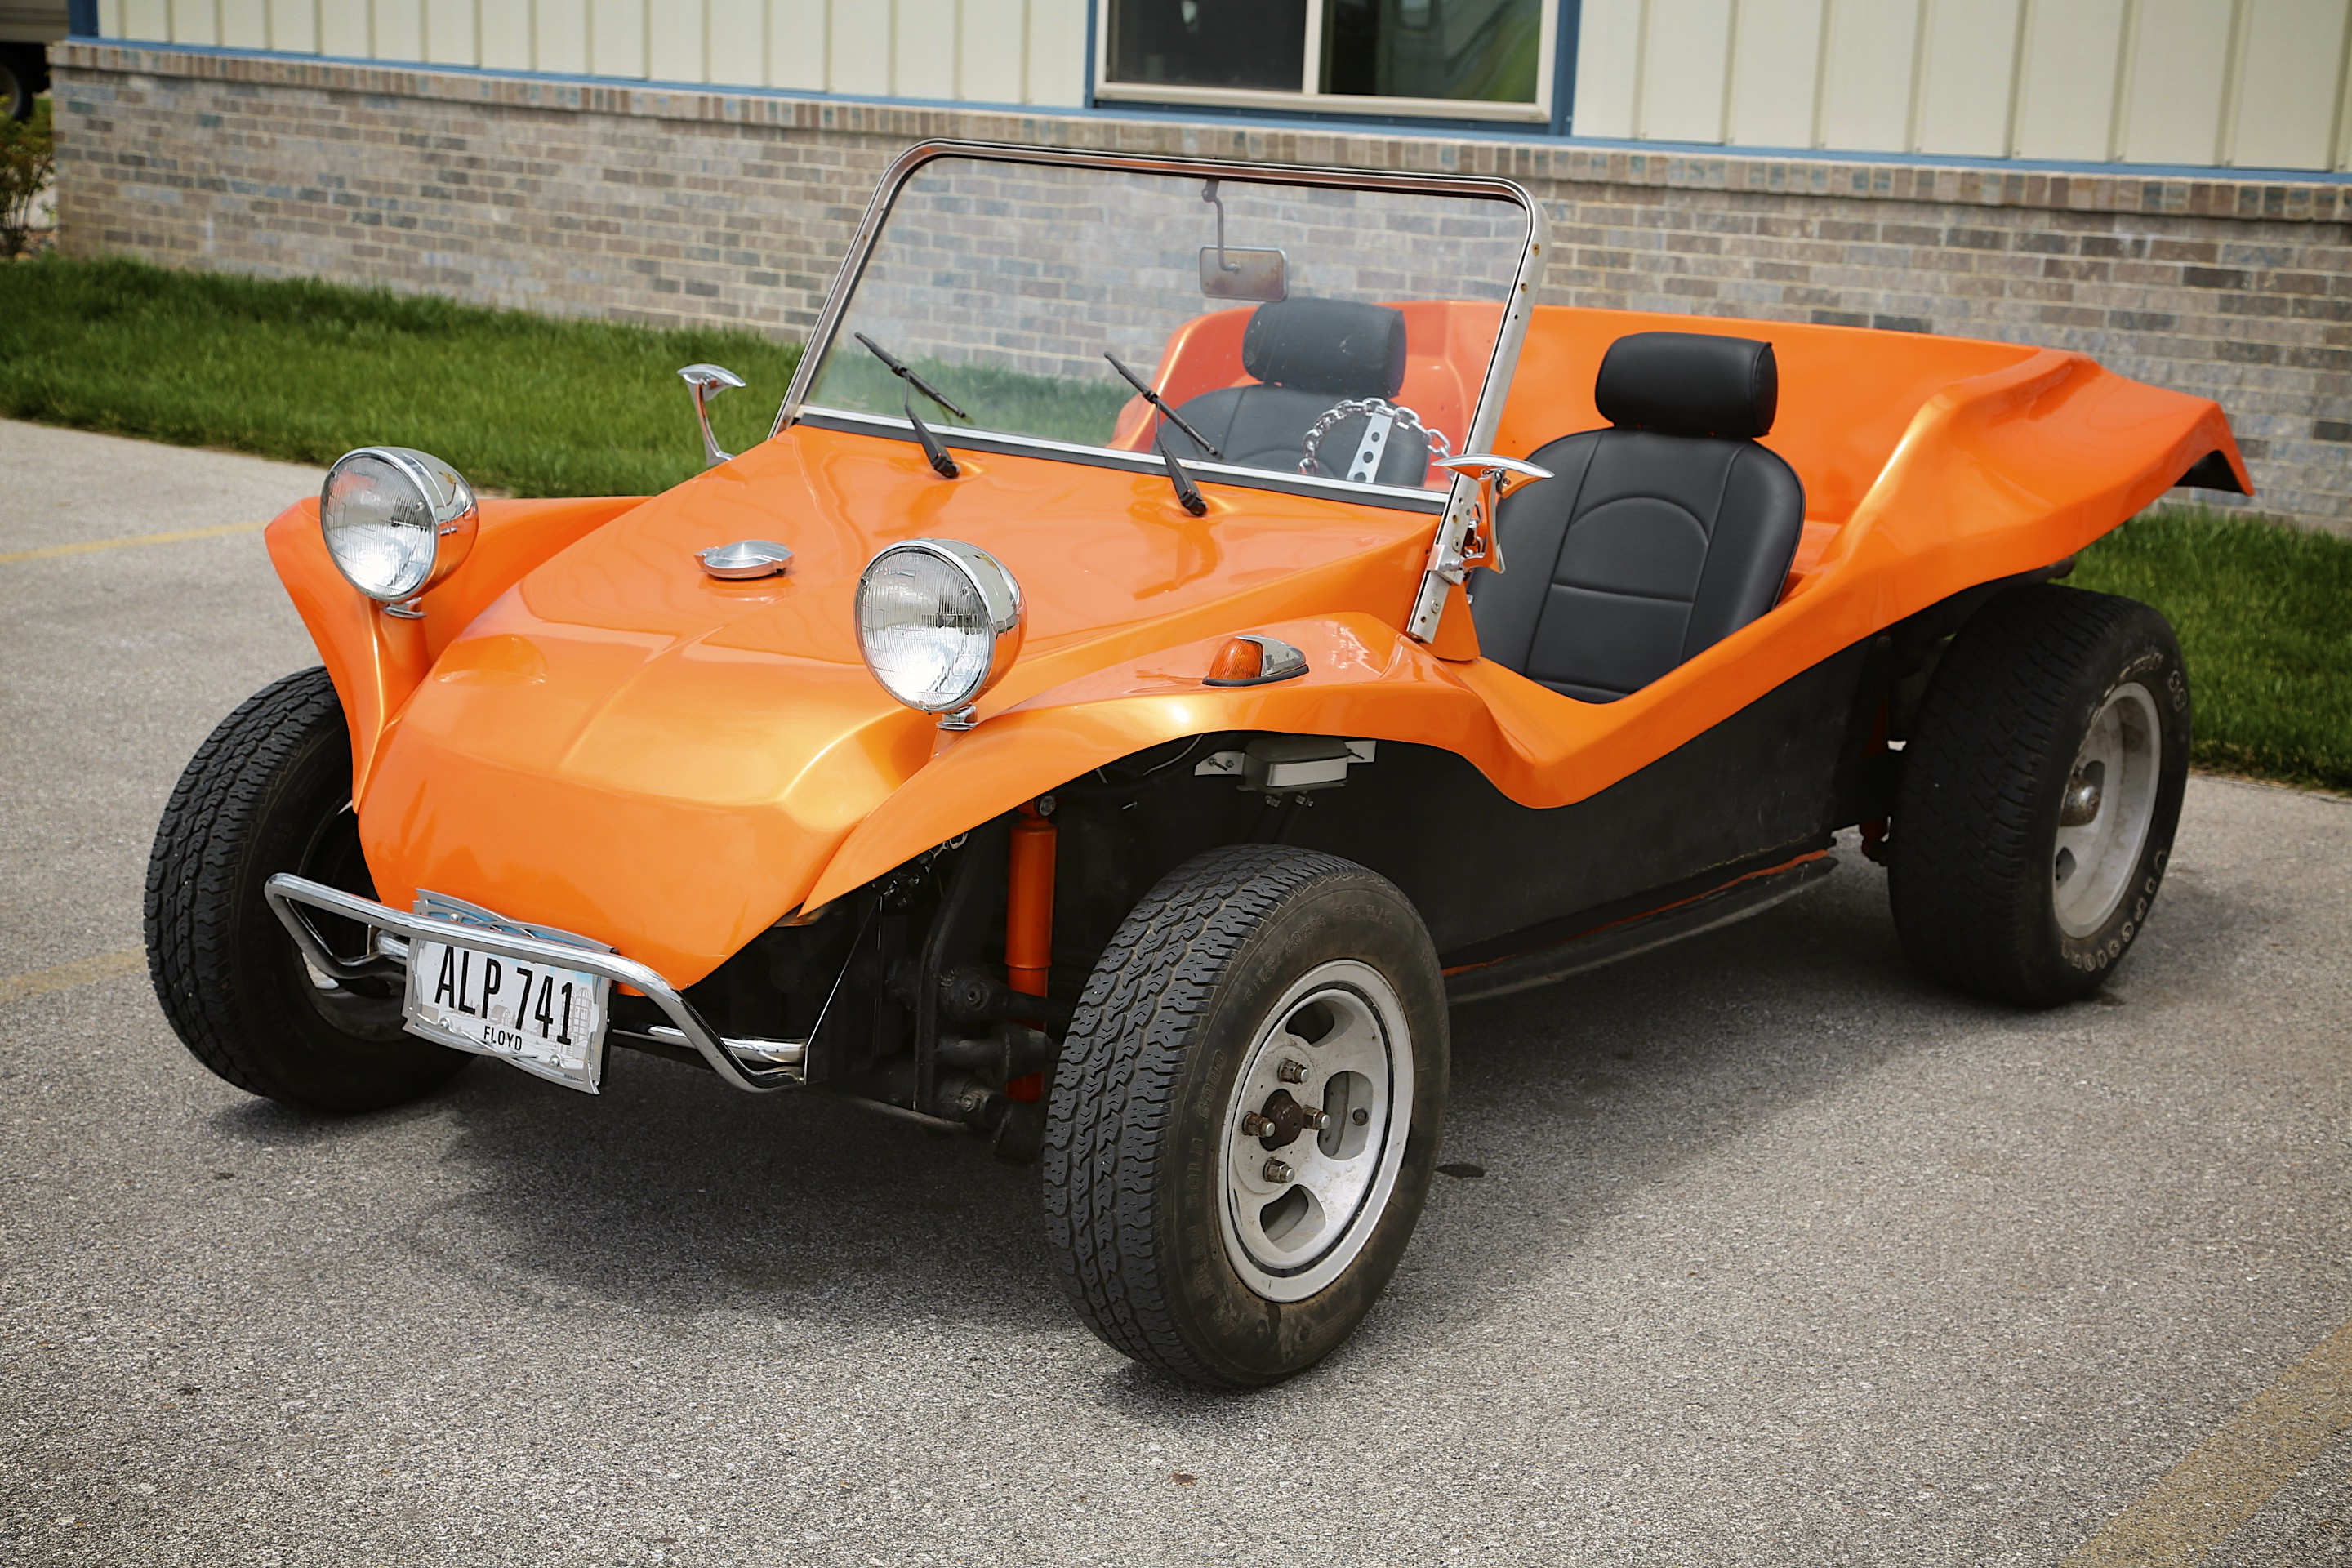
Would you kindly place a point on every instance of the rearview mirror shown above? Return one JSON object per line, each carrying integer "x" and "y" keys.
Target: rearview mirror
{"x": 1227, "y": 274}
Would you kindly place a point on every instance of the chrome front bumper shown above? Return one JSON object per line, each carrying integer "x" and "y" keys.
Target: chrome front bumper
{"x": 756, "y": 1066}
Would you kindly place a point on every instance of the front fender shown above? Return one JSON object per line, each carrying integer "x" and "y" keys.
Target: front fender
{"x": 1365, "y": 681}
{"x": 376, "y": 660}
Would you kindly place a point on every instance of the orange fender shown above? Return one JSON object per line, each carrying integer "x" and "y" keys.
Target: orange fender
{"x": 376, "y": 660}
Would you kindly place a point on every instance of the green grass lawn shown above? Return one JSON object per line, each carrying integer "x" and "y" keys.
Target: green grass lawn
{"x": 2264, "y": 615}
{"x": 537, "y": 405}
{"x": 305, "y": 371}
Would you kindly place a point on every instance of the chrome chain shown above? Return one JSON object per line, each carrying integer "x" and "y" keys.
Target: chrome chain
{"x": 1406, "y": 419}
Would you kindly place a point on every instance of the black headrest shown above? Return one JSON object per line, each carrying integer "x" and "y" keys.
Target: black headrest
{"x": 1327, "y": 345}
{"x": 1690, "y": 384}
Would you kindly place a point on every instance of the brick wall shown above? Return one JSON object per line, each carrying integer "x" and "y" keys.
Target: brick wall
{"x": 668, "y": 206}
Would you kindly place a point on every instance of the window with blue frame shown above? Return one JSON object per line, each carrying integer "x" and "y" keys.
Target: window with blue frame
{"x": 1479, "y": 59}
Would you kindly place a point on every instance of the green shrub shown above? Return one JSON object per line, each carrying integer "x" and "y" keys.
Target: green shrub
{"x": 27, "y": 159}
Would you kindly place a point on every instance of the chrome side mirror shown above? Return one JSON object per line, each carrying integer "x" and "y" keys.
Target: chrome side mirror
{"x": 707, "y": 381}
{"x": 1482, "y": 543}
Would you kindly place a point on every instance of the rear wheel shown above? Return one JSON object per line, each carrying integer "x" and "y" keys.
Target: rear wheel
{"x": 1246, "y": 1115}
{"x": 270, "y": 790}
{"x": 19, "y": 77}
{"x": 2040, "y": 792}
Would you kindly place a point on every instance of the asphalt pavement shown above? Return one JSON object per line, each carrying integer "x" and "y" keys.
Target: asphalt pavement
{"x": 1779, "y": 1255}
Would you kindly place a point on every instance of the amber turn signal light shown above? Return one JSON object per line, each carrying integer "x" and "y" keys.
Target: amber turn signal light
{"x": 1251, "y": 660}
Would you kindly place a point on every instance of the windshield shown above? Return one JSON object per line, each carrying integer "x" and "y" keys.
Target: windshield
{"x": 1299, "y": 330}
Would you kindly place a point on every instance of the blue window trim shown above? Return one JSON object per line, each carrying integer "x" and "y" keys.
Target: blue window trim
{"x": 1283, "y": 120}
{"x": 1563, "y": 67}
{"x": 81, "y": 18}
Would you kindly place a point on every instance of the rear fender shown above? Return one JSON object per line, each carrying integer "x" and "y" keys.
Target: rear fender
{"x": 375, "y": 659}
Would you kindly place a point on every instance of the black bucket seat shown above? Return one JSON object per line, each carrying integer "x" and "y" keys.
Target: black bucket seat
{"x": 1655, "y": 538}
{"x": 1308, "y": 357}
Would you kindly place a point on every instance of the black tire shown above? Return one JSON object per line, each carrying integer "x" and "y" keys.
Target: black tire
{"x": 270, "y": 790}
{"x": 1975, "y": 859}
{"x": 16, "y": 84}
{"x": 1142, "y": 1102}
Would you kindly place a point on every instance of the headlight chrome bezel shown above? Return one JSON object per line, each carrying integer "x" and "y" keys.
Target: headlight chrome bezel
{"x": 1004, "y": 622}
{"x": 441, "y": 494}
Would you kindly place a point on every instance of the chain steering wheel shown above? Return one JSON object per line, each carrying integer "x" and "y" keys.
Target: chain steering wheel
{"x": 1368, "y": 454}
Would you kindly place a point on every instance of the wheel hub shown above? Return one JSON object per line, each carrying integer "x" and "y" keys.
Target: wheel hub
{"x": 2105, "y": 812}
{"x": 1314, "y": 1131}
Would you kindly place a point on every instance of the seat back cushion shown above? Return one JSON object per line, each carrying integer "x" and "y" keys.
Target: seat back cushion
{"x": 1309, "y": 354}
{"x": 1649, "y": 545}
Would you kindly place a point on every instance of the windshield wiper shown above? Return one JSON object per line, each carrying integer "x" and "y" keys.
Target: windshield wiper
{"x": 944, "y": 464}
{"x": 906, "y": 374}
{"x": 1188, "y": 494}
{"x": 1161, "y": 403}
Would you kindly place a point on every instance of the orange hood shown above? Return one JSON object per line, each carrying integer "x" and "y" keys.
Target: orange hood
{"x": 623, "y": 747}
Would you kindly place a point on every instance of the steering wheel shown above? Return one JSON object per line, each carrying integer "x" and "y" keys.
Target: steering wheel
{"x": 1399, "y": 417}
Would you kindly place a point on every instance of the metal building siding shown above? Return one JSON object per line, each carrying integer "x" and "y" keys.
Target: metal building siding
{"x": 2236, "y": 83}
{"x": 983, "y": 51}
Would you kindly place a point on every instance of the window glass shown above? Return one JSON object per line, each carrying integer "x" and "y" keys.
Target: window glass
{"x": 1325, "y": 312}
{"x": 1208, "y": 43}
{"x": 1475, "y": 50}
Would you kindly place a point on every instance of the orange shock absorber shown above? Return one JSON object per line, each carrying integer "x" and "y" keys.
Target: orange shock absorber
{"x": 1029, "y": 922}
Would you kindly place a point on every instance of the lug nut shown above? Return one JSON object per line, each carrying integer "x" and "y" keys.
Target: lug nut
{"x": 1276, "y": 1172}
{"x": 1291, "y": 1071}
{"x": 1312, "y": 1118}
{"x": 1255, "y": 1126}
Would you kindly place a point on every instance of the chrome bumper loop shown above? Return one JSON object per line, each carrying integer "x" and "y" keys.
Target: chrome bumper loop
{"x": 758, "y": 1067}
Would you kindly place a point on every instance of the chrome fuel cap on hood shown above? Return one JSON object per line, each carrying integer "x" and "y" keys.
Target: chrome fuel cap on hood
{"x": 745, "y": 558}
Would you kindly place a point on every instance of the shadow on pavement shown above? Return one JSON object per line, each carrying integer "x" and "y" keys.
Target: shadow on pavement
{"x": 673, "y": 1196}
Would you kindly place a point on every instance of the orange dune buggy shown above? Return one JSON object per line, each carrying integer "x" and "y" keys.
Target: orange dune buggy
{"x": 1190, "y": 623}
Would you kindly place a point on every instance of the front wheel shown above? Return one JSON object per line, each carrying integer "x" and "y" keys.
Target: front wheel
{"x": 1246, "y": 1115}
{"x": 270, "y": 790}
{"x": 2040, "y": 792}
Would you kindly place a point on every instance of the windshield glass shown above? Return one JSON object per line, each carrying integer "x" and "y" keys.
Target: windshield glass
{"x": 1287, "y": 329}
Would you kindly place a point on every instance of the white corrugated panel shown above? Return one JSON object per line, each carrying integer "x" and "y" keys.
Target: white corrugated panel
{"x": 1686, "y": 60}
{"x": 398, "y": 28}
{"x": 2066, "y": 78}
{"x": 738, "y": 42}
{"x": 2294, "y": 50}
{"x": 1776, "y": 59}
{"x": 797, "y": 35}
{"x": 1968, "y": 62}
{"x": 1868, "y": 64}
{"x": 923, "y": 49}
{"x": 2176, "y": 82}
{"x": 245, "y": 24}
{"x": 2254, "y": 83}
{"x": 1607, "y": 60}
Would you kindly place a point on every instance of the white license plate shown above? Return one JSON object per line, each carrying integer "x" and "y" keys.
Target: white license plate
{"x": 544, "y": 1019}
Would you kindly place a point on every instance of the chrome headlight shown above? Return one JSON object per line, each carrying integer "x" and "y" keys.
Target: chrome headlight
{"x": 939, "y": 623}
{"x": 397, "y": 520}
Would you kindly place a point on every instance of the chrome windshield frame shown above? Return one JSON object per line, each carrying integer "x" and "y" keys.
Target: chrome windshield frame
{"x": 1500, "y": 366}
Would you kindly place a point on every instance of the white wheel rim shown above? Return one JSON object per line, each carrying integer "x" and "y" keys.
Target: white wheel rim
{"x": 1293, "y": 1227}
{"x": 2105, "y": 812}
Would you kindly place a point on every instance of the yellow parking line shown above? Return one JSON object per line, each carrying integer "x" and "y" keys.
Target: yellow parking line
{"x": 175, "y": 537}
{"x": 2269, "y": 1442}
{"x": 65, "y": 976}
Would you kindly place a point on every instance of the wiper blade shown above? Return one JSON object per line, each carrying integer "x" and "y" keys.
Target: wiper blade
{"x": 907, "y": 373}
{"x": 1161, "y": 403}
{"x": 1188, "y": 494}
{"x": 938, "y": 454}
